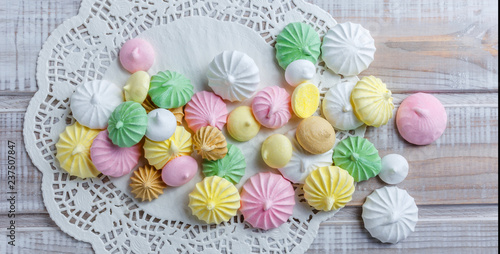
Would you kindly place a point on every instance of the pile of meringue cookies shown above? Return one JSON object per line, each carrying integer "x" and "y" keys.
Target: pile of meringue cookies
{"x": 115, "y": 127}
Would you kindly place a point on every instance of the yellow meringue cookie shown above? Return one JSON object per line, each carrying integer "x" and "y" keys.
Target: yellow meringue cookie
{"x": 159, "y": 153}
{"x": 328, "y": 188}
{"x": 73, "y": 150}
{"x": 146, "y": 183}
{"x": 276, "y": 151}
{"x": 372, "y": 101}
{"x": 214, "y": 200}
{"x": 241, "y": 124}
{"x": 137, "y": 86}
{"x": 305, "y": 100}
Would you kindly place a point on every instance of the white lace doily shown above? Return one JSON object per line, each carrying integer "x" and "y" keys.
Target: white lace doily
{"x": 186, "y": 35}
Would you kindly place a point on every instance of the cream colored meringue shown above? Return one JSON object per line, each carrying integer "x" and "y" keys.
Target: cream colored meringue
{"x": 337, "y": 107}
{"x": 394, "y": 169}
{"x": 299, "y": 71}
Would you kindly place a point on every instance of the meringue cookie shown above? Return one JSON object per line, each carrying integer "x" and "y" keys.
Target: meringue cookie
{"x": 305, "y": 100}
{"x": 348, "y": 49}
{"x": 267, "y": 200}
{"x": 146, "y": 183}
{"x": 390, "y": 214}
{"x": 112, "y": 160}
{"x": 205, "y": 109}
{"x": 271, "y": 107}
{"x": 161, "y": 124}
{"x": 394, "y": 169}
{"x": 128, "y": 124}
{"x": 170, "y": 89}
{"x": 179, "y": 171}
{"x": 159, "y": 153}
{"x": 137, "y": 55}
{"x": 299, "y": 71}
{"x": 359, "y": 157}
{"x": 233, "y": 75}
{"x": 231, "y": 167}
{"x": 210, "y": 143}
{"x": 276, "y": 151}
{"x": 421, "y": 119}
{"x": 297, "y": 41}
{"x": 337, "y": 107}
{"x": 328, "y": 188}
{"x": 94, "y": 101}
{"x": 137, "y": 86}
{"x": 372, "y": 101}
{"x": 241, "y": 124}
{"x": 316, "y": 135}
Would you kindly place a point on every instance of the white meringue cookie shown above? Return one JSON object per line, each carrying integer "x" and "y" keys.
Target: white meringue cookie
{"x": 348, "y": 49}
{"x": 93, "y": 102}
{"x": 299, "y": 71}
{"x": 394, "y": 169}
{"x": 390, "y": 214}
{"x": 233, "y": 75}
{"x": 337, "y": 107}
{"x": 161, "y": 124}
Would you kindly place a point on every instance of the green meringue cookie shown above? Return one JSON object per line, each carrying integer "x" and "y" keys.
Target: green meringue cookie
{"x": 170, "y": 89}
{"x": 359, "y": 157}
{"x": 297, "y": 41}
{"x": 231, "y": 167}
{"x": 127, "y": 124}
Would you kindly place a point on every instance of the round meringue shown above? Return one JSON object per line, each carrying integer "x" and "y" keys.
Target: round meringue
{"x": 305, "y": 100}
{"x": 297, "y": 41}
{"x": 267, "y": 200}
{"x": 146, "y": 183}
{"x": 271, "y": 107}
{"x": 137, "y": 86}
{"x": 372, "y": 101}
{"x": 394, "y": 169}
{"x": 170, "y": 89}
{"x": 276, "y": 150}
{"x": 241, "y": 124}
{"x": 112, "y": 160}
{"x": 390, "y": 214}
{"x": 137, "y": 55}
{"x": 233, "y": 75}
{"x": 205, "y": 109}
{"x": 328, "y": 188}
{"x": 348, "y": 49}
{"x": 316, "y": 135}
{"x": 231, "y": 167}
{"x": 158, "y": 153}
{"x": 210, "y": 143}
{"x": 93, "y": 102}
{"x": 359, "y": 157}
{"x": 161, "y": 124}
{"x": 127, "y": 124}
{"x": 179, "y": 171}
{"x": 421, "y": 119}
{"x": 337, "y": 107}
{"x": 299, "y": 71}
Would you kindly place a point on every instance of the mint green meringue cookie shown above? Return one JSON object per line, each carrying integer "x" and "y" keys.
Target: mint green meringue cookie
{"x": 128, "y": 124}
{"x": 359, "y": 157}
{"x": 231, "y": 167}
{"x": 170, "y": 89}
{"x": 297, "y": 41}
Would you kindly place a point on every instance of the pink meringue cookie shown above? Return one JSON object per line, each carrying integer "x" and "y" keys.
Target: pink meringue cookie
{"x": 179, "y": 171}
{"x": 137, "y": 55}
{"x": 271, "y": 107}
{"x": 204, "y": 109}
{"x": 421, "y": 119}
{"x": 267, "y": 200}
{"x": 112, "y": 160}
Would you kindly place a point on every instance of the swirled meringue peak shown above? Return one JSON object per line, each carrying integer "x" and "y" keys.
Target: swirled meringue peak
{"x": 299, "y": 71}
{"x": 233, "y": 75}
{"x": 205, "y": 109}
{"x": 337, "y": 107}
{"x": 161, "y": 124}
{"x": 137, "y": 55}
{"x": 271, "y": 107}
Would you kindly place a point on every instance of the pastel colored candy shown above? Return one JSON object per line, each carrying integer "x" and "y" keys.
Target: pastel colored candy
{"x": 241, "y": 124}
{"x": 137, "y": 86}
{"x": 359, "y": 157}
{"x": 328, "y": 188}
{"x": 158, "y": 153}
{"x": 276, "y": 151}
{"x": 93, "y": 102}
{"x": 112, "y": 160}
{"x": 421, "y": 119}
{"x": 205, "y": 109}
{"x": 231, "y": 167}
{"x": 267, "y": 200}
{"x": 146, "y": 183}
{"x": 128, "y": 124}
{"x": 233, "y": 75}
{"x": 73, "y": 151}
{"x": 299, "y": 71}
{"x": 337, "y": 107}
{"x": 316, "y": 135}
{"x": 390, "y": 214}
{"x": 305, "y": 100}
{"x": 210, "y": 143}
{"x": 178, "y": 113}
{"x": 372, "y": 101}
{"x": 348, "y": 49}
{"x": 214, "y": 200}
{"x": 161, "y": 124}
{"x": 170, "y": 89}
{"x": 179, "y": 171}
{"x": 297, "y": 41}
{"x": 137, "y": 55}
{"x": 394, "y": 169}
{"x": 271, "y": 107}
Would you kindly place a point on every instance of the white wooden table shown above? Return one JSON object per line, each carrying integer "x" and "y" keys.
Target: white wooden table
{"x": 447, "y": 48}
